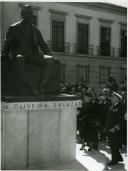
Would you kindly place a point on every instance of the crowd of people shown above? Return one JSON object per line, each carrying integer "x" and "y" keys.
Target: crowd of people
{"x": 102, "y": 116}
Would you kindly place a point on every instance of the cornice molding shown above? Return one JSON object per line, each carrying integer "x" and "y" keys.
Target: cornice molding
{"x": 98, "y": 6}
{"x": 105, "y": 20}
{"x": 58, "y": 11}
{"x": 83, "y": 16}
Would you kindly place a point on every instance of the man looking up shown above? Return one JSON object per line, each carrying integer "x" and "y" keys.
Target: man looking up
{"x": 112, "y": 127}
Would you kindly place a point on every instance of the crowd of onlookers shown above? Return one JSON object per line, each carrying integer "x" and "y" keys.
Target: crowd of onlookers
{"x": 91, "y": 118}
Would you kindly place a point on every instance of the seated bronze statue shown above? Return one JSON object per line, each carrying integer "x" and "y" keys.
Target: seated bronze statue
{"x": 26, "y": 71}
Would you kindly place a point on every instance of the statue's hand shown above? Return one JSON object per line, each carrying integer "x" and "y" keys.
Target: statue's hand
{"x": 48, "y": 57}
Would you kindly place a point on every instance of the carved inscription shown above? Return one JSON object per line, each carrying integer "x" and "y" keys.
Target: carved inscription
{"x": 40, "y": 105}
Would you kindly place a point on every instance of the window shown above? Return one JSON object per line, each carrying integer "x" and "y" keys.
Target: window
{"x": 122, "y": 73}
{"x": 63, "y": 73}
{"x": 71, "y": 74}
{"x": 104, "y": 73}
{"x": 105, "y": 41}
{"x": 57, "y": 36}
{"x": 82, "y": 47}
{"x": 82, "y": 39}
{"x": 123, "y": 43}
{"x": 83, "y": 72}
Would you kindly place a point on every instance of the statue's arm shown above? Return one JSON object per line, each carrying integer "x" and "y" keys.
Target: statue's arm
{"x": 44, "y": 47}
{"x": 7, "y": 44}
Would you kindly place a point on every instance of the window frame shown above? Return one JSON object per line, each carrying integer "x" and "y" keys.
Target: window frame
{"x": 121, "y": 73}
{"x": 77, "y": 47}
{"x": 57, "y": 15}
{"x": 123, "y": 29}
{"x": 82, "y": 19}
{"x": 63, "y": 47}
{"x": 109, "y": 54}
{"x": 101, "y": 75}
{"x": 87, "y": 71}
{"x": 108, "y": 24}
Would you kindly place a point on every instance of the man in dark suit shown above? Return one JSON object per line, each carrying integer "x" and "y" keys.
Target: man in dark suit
{"x": 23, "y": 43}
{"x": 112, "y": 127}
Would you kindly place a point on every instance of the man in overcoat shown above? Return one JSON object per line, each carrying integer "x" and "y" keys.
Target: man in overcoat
{"x": 112, "y": 127}
{"x": 23, "y": 45}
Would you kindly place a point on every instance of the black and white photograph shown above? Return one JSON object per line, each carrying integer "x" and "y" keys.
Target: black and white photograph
{"x": 63, "y": 85}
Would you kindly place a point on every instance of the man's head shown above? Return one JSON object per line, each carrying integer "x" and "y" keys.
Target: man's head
{"x": 116, "y": 98}
{"x": 105, "y": 92}
{"x": 27, "y": 13}
{"x": 87, "y": 97}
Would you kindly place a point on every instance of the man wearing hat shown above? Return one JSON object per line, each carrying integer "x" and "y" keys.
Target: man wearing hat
{"x": 112, "y": 127}
{"x": 89, "y": 124}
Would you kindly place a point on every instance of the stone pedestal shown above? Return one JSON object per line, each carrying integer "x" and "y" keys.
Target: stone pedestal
{"x": 38, "y": 131}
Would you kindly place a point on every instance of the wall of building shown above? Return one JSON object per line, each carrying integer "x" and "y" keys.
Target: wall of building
{"x": 12, "y": 12}
{"x": 10, "y": 15}
{"x": 71, "y": 22}
{"x": 94, "y": 62}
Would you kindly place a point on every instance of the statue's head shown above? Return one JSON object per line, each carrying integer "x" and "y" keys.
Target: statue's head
{"x": 27, "y": 13}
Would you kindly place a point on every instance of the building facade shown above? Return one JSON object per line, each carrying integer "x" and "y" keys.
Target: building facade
{"x": 90, "y": 39}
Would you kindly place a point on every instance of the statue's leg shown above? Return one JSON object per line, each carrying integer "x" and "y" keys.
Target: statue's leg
{"x": 45, "y": 75}
{"x": 6, "y": 78}
{"x": 22, "y": 75}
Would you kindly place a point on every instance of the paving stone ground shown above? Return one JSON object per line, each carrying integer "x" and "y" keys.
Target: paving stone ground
{"x": 96, "y": 160}
{"x": 92, "y": 161}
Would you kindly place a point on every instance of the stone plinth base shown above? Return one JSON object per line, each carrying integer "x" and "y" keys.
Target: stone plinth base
{"x": 38, "y": 132}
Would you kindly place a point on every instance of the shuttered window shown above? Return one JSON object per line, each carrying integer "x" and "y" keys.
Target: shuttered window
{"x": 104, "y": 73}
{"x": 57, "y": 36}
{"x": 82, "y": 45}
{"x": 83, "y": 73}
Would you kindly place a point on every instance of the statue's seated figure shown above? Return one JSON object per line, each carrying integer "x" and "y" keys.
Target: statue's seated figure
{"x": 26, "y": 71}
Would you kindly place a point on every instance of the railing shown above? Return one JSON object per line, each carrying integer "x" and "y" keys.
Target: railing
{"x": 55, "y": 46}
{"x": 91, "y": 50}
{"x": 105, "y": 51}
{"x": 121, "y": 52}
